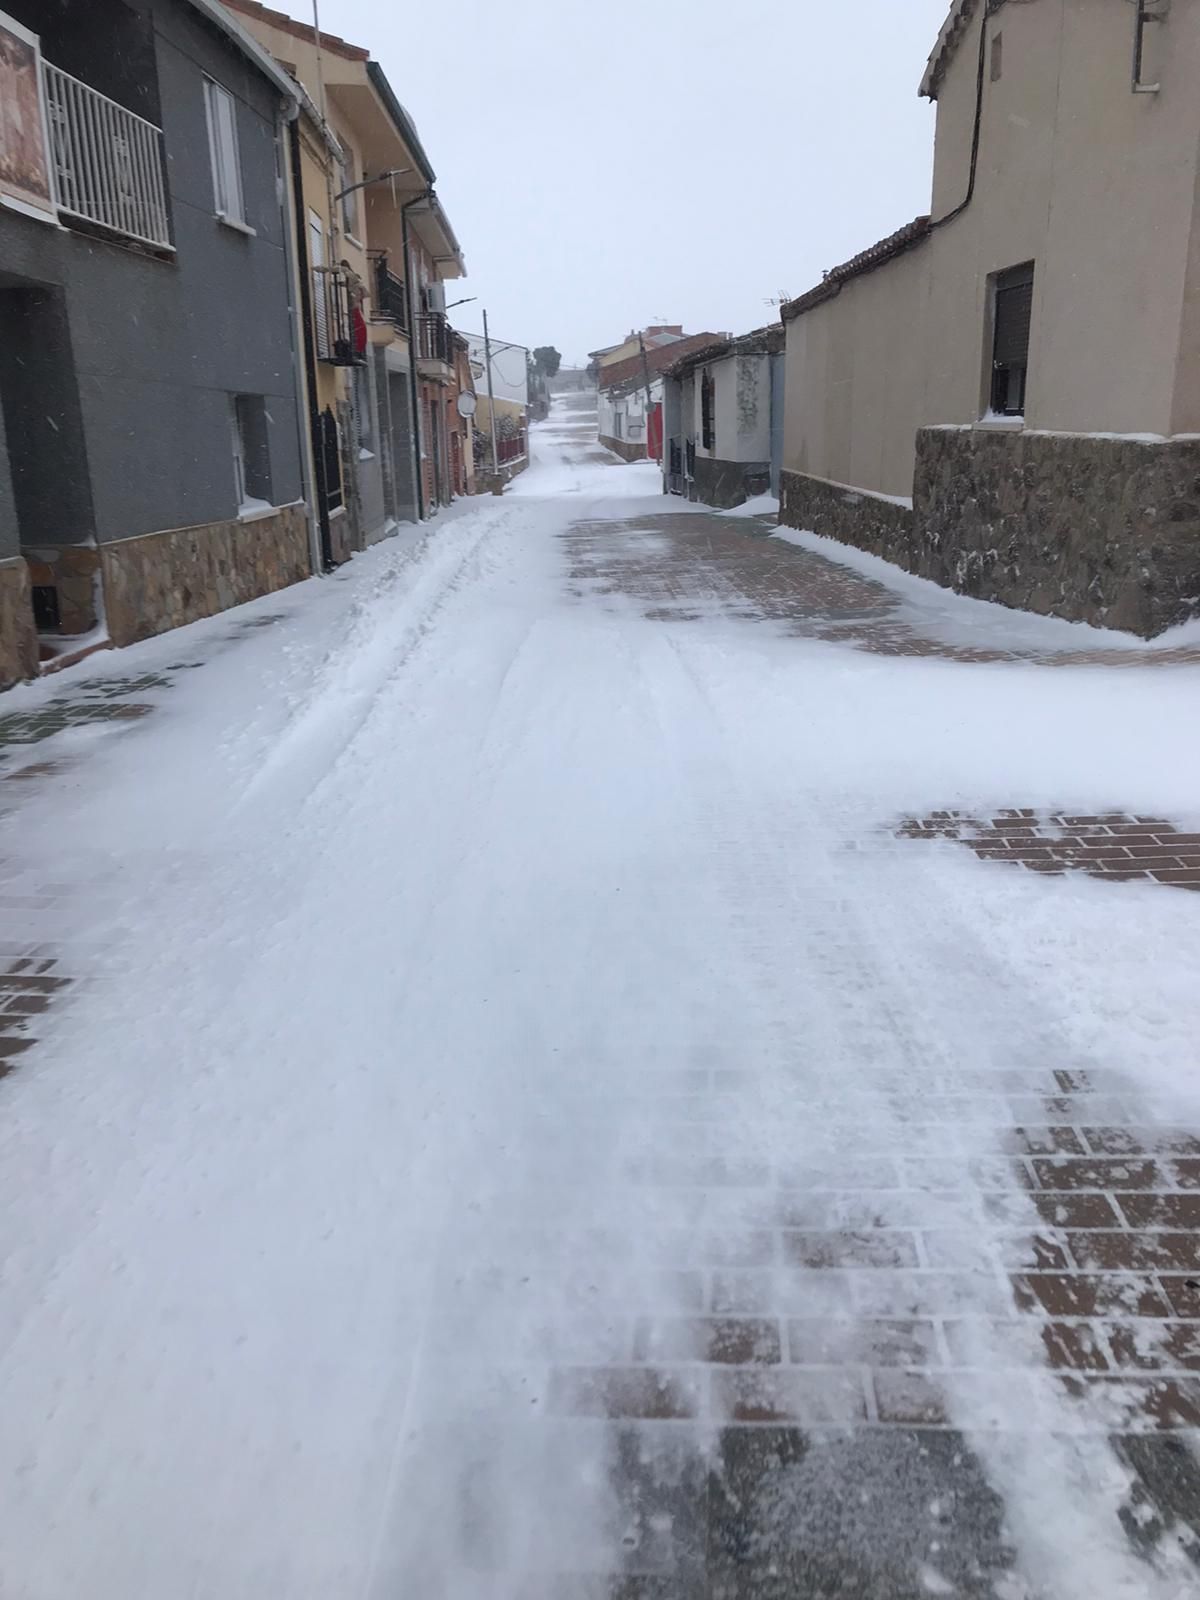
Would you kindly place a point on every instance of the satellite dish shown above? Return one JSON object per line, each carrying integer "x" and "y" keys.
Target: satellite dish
{"x": 466, "y": 404}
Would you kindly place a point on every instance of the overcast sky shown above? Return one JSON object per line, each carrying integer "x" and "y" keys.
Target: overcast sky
{"x": 606, "y": 165}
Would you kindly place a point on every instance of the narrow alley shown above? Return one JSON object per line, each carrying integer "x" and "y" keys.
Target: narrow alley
{"x": 603, "y": 1051}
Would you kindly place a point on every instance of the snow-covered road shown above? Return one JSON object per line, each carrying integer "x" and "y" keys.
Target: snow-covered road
{"x": 526, "y": 1117}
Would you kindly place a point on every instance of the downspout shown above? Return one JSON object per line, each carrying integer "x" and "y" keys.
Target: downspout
{"x": 414, "y": 344}
{"x": 988, "y": 8}
{"x": 322, "y": 543}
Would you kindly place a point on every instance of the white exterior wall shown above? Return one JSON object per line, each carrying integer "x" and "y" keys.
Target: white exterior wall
{"x": 742, "y": 408}
{"x": 510, "y": 379}
{"x": 623, "y": 416}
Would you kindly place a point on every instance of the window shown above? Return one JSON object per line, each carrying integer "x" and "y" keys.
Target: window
{"x": 320, "y": 288}
{"x": 1013, "y": 311}
{"x": 223, "y": 151}
{"x": 708, "y": 428}
{"x": 360, "y": 403}
{"x": 349, "y": 201}
{"x": 251, "y": 452}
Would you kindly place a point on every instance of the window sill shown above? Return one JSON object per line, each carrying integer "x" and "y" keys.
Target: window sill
{"x": 24, "y": 209}
{"x": 357, "y": 243}
{"x": 238, "y": 227}
{"x": 252, "y": 513}
{"x": 998, "y": 424}
{"x": 366, "y": 455}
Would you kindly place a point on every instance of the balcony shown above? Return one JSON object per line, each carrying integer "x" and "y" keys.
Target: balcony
{"x": 391, "y": 296}
{"x": 107, "y": 163}
{"x": 435, "y": 347}
{"x": 335, "y": 327}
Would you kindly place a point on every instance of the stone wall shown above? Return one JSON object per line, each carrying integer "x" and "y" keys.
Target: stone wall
{"x": 726, "y": 484}
{"x": 884, "y": 527}
{"x": 1098, "y": 530}
{"x": 163, "y": 580}
{"x": 72, "y": 571}
{"x": 18, "y": 642}
{"x": 627, "y": 450}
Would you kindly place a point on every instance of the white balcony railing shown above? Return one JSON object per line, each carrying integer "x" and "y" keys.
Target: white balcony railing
{"x": 108, "y": 163}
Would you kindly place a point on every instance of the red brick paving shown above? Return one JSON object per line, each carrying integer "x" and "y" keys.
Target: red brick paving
{"x": 1115, "y": 846}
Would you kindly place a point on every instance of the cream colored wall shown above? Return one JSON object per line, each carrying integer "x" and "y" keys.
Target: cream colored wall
{"x": 1099, "y": 187}
{"x": 854, "y": 377}
{"x": 621, "y": 353}
{"x": 1185, "y": 418}
{"x": 1095, "y": 185}
{"x": 302, "y": 55}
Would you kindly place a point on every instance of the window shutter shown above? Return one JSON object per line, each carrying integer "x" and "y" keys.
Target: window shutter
{"x": 1014, "y": 312}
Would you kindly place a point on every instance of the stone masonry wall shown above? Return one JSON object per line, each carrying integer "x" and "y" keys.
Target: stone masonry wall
{"x": 1098, "y": 530}
{"x": 624, "y": 448}
{"x": 18, "y": 642}
{"x": 725, "y": 484}
{"x": 881, "y": 526}
{"x": 163, "y": 580}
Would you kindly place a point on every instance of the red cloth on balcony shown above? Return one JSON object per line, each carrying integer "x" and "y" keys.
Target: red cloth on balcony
{"x": 359, "y": 324}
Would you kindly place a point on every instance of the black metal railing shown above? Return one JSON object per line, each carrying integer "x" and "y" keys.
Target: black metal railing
{"x": 435, "y": 341}
{"x": 391, "y": 296}
{"x": 333, "y": 318}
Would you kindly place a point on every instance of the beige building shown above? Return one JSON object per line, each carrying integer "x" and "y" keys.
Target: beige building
{"x": 378, "y": 250}
{"x": 999, "y": 396}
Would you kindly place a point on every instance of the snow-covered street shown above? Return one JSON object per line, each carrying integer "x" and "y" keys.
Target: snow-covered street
{"x": 528, "y": 1122}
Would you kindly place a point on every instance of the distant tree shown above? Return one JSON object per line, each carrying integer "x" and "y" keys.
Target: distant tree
{"x": 547, "y": 359}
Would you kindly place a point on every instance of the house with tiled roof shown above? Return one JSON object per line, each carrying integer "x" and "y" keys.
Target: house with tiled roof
{"x": 631, "y": 388}
{"x": 1002, "y": 395}
{"x": 723, "y": 419}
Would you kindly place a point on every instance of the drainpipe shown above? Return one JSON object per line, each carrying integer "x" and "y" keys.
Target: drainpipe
{"x": 414, "y": 344}
{"x": 319, "y": 535}
{"x": 989, "y": 7}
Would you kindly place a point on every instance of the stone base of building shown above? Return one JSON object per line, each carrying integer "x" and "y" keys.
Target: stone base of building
{"x": 868, "y": 521}
{"x": 159, "y": 581}
{"x": 73, "y": 572}
{"x": 18, "y": 641}
{"x": 624, "y": 448}
{"x": 726, "y": 484}
{"x": 1097, "y": 530}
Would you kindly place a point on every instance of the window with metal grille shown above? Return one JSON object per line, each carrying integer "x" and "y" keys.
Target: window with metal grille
{"x": 360, "y": 402}
{"x": 708, "y": 427}
{"x": 1012, "y": 313}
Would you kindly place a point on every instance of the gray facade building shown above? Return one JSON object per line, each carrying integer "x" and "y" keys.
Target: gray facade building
{"x": 152, "y": 460}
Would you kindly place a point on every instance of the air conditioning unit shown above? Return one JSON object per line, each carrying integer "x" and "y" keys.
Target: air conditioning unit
{"x": 435, "y": 296}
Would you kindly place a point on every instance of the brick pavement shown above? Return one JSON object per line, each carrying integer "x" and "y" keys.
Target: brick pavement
{"x": 834, "y": 1318}
{"x": 1115, "y": 846}
{"x": 684, "y": 566}
{"x": 40, "y": 963}
{"x": 821, "y": 1323}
